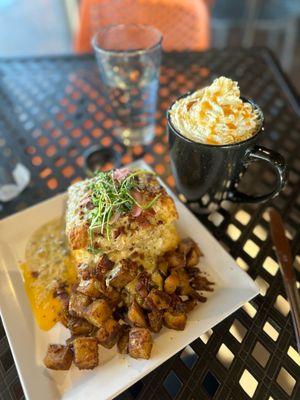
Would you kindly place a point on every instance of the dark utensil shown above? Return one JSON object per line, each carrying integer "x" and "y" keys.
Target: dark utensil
{"x": 285, "y": 261}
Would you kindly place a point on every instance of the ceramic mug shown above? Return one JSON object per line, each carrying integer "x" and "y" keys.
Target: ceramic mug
{"x": 208, "y": 174}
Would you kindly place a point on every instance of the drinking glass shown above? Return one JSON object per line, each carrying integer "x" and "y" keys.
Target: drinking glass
{"x": 128, "y": 58}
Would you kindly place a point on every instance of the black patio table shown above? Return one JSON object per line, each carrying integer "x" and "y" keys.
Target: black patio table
{"x": 52, "y": 109}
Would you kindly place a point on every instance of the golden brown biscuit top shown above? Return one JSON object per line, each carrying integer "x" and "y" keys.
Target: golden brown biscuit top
{"x": 114, "y": 203}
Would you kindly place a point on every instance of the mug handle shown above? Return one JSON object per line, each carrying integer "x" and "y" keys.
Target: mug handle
{"x": 260, "y": 153}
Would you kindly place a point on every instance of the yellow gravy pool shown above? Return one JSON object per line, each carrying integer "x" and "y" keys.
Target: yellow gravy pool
{"x": 48, "y": 267}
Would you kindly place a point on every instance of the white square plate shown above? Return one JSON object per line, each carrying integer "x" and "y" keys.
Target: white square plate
{"x": 116, "y": 372}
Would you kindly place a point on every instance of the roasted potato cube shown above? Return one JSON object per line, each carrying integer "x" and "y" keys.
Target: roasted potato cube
{"x": 192, "y": 258}
{"x": 136, "y": 315}
{"x": 162, "y": 265}
{"x": 186, "y": 245}
{"x": 175, "y": 320}
{"x": 126, "y": 298}
{"x": 77, "y": 304}
{"x": 124, "y": 340}
{"x": 143, "y": 284}
{"x": 98, "y": 312}
{"x": 79, "y": 326}
{"x": 157, "y": 280}
{"x": 175, "y": 259}
{"x": 171, "y": 282}
{"x": 85, "y": 352}
{"x": 139, "y": 299}
{"x": 140, "y": 343}
{"x": 112, "y": 295}
{"x": 109, "y": 333}
{"x": 184, "y": 282}
{"x": 89, "y": 287}
{"x": 64, "y": 317}
{"x": 157, "y": 300}
{"x": 155, "y": 320}
{"x": 130, "y": 288}
{"x": 186, "y": 306}
{"x": 191, "y": 251}
{"x": 103, "y": 266}
{"x": 58, "y": 357}
{"x": 123, "y": 273}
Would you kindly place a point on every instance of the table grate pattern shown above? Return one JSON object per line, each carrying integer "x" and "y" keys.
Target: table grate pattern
{"x": 52, "y": 109}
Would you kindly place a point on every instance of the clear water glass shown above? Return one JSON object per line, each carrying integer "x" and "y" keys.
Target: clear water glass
{"x": 128, "y": 58}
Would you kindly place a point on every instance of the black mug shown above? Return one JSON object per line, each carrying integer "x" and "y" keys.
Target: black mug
{"x": 208, "y": 174}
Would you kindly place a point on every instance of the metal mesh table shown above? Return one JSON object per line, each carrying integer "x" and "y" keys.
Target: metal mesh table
{"x": 51, "y": 109}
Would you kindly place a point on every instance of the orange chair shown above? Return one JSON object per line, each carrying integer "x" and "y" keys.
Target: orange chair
{"x": 185, "y": 24}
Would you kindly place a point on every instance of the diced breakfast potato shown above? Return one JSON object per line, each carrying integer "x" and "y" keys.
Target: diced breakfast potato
{"x": 112, "y": 295}
{"x": 79, "y": 326}
{"x": 186, "y": 245}
{"x": 77, "y": 304}
{"x": 171, "y": 282}
{"x": 58, "y": 357}
{"x": 157, "y": 280}
{"x": 192, "y": 258}
{"x": 124, "y": 340}
{"x": 175, "y": 320}
{"x": 85, "y": 352}
{"x": 98, "y": 312}
{"x": 89, "y": 287}
{"x": 163, "y": 265}
{"x": 186, "y": 306}
{"x": 63, "y": 318}
{"x": 142, "y": 284}
{"x": 104, "y": 266}
{"x": 109, "y": 333}
{"x": 136, "y": 315}
{"x": 175, "y": 260}
{"x": 123, "y": 273}
{"x": 140, "y": 343}
{"x": 155, "y": 318}
{"x": 157, "y": 300}
{"x": 184, "y": 282}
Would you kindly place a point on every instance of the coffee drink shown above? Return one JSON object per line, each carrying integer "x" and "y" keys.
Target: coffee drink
{"x": 215, "y": 115}
{"x": 213, "y": 135}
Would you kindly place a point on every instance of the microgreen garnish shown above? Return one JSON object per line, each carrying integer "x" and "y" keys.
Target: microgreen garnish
{"x": 110, "y": 197}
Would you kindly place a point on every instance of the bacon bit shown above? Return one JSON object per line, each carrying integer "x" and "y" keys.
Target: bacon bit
{"x": 119, "y": 231}
{"x": 115, "y": 217}
{"x": 137, "y": 196}
{"x": 150, "y": 212}
{"x": 142, "y": 220}
{"x": 86, "y": 202}
{"x": 120, "y": 174}
{"x": 136, "y": 211}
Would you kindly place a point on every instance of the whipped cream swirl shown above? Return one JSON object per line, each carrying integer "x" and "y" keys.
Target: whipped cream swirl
{"x": 215, "y": 114}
